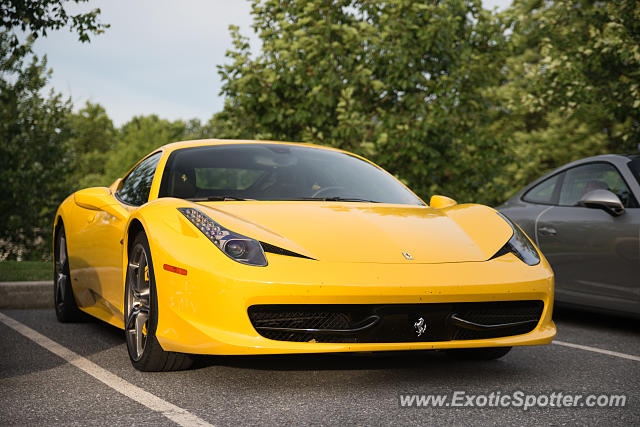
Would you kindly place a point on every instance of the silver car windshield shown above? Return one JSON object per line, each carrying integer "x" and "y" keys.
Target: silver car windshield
{"x": 277, "y": 172}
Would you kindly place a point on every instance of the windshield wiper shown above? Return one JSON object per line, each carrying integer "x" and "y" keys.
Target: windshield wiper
{"x": 217, "y": 199}
{"x": 337, "y": 199}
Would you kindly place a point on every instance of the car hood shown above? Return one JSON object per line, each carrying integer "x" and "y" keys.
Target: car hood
{"x": 368, "y": 233}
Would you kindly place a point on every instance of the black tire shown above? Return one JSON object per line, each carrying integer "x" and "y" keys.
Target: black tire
{"x": 484, "y": 353}
{"x": 141, "y": 314}
{"x": 63, "y": 300}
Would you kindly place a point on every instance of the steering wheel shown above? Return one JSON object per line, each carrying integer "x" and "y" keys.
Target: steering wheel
{"x": 322, "y": 190}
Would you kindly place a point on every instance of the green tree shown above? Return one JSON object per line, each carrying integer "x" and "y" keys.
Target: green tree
{"x": 141, "y": 135}
{"x": 92, "y": 137}
{"x": 35, "y": 18}
{"x": 588, "y": 64}
{"x": 35, "y": 163}
{"x": 571, "y": 85}
{"x": 400, "y": 81}
{"x": 33, "y": 154}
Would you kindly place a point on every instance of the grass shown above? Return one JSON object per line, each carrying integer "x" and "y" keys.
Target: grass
{"x": 18, "y": 271}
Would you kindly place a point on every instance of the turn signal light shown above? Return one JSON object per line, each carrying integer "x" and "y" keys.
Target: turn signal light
{"x": 175, "y": 269}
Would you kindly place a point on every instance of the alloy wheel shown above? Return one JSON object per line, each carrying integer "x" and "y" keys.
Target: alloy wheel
{"x": 61, "y": 278}
{"x": 138, "y": 302}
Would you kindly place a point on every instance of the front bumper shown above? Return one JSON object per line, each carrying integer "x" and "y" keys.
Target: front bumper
{"x": 206, "y": 312}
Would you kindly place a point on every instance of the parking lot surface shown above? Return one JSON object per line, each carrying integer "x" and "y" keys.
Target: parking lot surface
{"x": 91, "y": 381}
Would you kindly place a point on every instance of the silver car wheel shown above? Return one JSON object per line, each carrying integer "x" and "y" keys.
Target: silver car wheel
{"x": 61, "y": 278}
{"x": 138, "y": 297}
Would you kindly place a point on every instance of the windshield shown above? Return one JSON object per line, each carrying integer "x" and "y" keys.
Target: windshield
{"x": 277, "y": 172}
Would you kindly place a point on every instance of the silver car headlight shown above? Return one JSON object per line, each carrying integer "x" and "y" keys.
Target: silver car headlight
{"x": 519, "y": 245}
{"x": 239, "y": 248}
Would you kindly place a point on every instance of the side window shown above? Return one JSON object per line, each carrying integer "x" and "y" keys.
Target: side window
{"x": 137, "y": 185}
{"x": 543, "y": 192}
{"x": 581, "y": 180}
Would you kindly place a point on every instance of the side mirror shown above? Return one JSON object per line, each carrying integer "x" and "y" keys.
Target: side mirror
{"x": 93, "y": 198}
{"x": 100, "y": 199}
{"x": 441, "y": 202}
{"x": 603, "y": 199}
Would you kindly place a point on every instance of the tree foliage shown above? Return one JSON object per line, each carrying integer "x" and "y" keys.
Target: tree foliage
{"x": 399, "y": 81}
{"x": 451, "y": 98}
{"x": 91, "y": 137}
{"x": 571, "y": 87}
{"x": 33, "y": 153}
{"x": 36, "y": 156}
{"x": 141, "y": 135}
{"x": 35, "y": 18}
{"x": 587, "y": 63}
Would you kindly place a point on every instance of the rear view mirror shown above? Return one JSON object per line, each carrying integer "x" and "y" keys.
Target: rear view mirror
{"x": 441, "y": 202}
{"x": 603, "y": 199}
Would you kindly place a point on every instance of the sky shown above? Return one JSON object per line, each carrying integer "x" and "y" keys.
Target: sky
{"x": 158, "y": 56}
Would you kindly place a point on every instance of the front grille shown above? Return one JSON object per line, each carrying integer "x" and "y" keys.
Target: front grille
{"x": 298, "y": 320}
{"x": 394, "y": 322}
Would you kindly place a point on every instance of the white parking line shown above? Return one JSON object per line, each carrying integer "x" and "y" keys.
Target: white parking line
{"x": 174, "y": 413}
{"x": 598, "y": 350}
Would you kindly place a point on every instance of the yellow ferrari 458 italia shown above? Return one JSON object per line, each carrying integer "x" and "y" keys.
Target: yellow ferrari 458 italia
{"x": 248, "y": 247}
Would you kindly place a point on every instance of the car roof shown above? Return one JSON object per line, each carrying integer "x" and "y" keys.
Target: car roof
{"x": 613, "y": 158}
{"x": 204, "y": 142}
{"x": 609, "y": 157}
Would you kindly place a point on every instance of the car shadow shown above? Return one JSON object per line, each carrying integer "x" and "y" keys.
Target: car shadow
{"x": 406, "y": 360}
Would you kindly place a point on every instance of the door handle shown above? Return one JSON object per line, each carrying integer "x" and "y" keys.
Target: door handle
{"x": 547, "y": 231}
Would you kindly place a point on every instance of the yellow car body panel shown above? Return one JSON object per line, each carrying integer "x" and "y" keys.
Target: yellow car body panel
{"x": 355, "y": 256}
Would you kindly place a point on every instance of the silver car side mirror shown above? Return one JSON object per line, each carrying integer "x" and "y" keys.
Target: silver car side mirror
{"x": 603, "y": 199}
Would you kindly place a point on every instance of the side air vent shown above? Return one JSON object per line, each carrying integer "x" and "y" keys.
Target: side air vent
{"x": 279, "y": 251}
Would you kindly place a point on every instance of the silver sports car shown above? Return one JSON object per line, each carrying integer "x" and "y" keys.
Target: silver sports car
{"x": 585, "y": 218}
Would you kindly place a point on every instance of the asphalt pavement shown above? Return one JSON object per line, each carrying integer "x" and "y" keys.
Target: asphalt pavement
{"x": 40, "y": 387}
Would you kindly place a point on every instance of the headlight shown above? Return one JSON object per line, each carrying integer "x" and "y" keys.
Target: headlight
{"x": 519, "y": 245}
{"x": 239, "y": 248}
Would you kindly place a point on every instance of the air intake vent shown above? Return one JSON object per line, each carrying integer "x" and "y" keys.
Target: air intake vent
{"x": 380, "y": 323}
{"x": 279, "y": 251}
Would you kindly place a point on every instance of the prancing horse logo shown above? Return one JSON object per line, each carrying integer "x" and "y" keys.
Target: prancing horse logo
{"x": 408, "y": 256}
{"x": 420, "y": 326}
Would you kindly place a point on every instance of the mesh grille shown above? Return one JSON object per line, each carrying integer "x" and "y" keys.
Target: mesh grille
{"x": 397, "y": 321}
{"x": 299, "y": 320}
{"x": 499, "y": 313}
